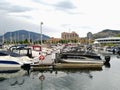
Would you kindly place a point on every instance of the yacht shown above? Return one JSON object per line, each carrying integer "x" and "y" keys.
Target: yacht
{"x": 12, "y": 61}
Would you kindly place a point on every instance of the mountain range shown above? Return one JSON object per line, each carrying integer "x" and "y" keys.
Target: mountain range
{"x": 106, "y": 33}
{"x": 22, "y": 35}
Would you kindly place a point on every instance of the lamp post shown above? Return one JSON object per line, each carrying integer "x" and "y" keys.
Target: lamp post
{"x": 3, "y": 39}
{"x": 10, "y": 37}
{"x": 41, "y": 32}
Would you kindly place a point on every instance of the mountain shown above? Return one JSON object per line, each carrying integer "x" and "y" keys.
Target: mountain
{"x": 22, "y": 35}
{"x": 106, "y": 33}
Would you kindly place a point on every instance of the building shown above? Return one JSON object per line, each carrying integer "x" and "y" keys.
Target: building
{"x": 89, "y": 35}
{"x": 69, "y": 36}
{"x": 54, "y": 40}
{"x": 113, "y": 40}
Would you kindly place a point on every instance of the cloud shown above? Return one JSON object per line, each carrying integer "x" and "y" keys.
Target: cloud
{"x": 65, "y": 5}
{"x": 10, "y": 23}
{"x": 86, "y": 27}
{"x": 59, "y": 15}
{"x": 9, "y": 8}
{"x": 60, "y": 5}
{"x": 19, "y": 9}
{"x": 26, "y": 16}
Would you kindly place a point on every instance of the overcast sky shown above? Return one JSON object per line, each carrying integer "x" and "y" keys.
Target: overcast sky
{"x": 81, "y": 16}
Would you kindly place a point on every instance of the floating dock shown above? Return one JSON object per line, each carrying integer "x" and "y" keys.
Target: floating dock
{"x": 60, "y": 66}
{"x": 48, "y": 64}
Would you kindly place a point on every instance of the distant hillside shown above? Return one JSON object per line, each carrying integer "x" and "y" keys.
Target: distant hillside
{"x": 22, "y": 35}
{"x": 106, "y": 33}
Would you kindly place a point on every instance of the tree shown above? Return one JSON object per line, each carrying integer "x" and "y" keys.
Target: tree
{"x": 26, "y": 41}
{"x": 118, "y": 35}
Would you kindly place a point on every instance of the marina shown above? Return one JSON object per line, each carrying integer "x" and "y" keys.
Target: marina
{"x": 59, "y": 45}
{"x": 22, "y": 56}
{"x": 34, "y": 67}
{"x": 58, "y": 69}
{"x": 66, "y": 79}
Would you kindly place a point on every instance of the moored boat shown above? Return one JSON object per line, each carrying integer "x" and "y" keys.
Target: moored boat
{"x": 82, "y": 61}
{"x": 9, "y": 62}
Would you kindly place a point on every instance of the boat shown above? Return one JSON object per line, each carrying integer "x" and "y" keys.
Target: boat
{"x": 81, "y": 60}
{"x": 36, "y": 50}
{"x": 12, "y": 61}
{"x": 21, "y": 50}
{"x": 87, "y": 58}
{"x": 77, "y": 55}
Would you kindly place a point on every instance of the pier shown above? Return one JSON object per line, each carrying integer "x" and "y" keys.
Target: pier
{"x": 49, "y": 64}
{"x": 61, "y": 66}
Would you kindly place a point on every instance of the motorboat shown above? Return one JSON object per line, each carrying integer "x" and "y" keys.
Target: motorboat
{"x": 21, "y": 50}
{"x": 81, "y": 60}
{"x": 77, "y": 55}
{"x": 12, "y": 61}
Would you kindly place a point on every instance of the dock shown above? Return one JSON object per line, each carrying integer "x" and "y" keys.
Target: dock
{"x": 61, "y": 66}
{"x": 49, "y": 64}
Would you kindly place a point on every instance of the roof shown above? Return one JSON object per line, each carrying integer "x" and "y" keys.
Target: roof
{"x": 109, "y": 38}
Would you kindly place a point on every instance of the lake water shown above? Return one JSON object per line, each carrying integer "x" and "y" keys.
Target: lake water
{"x": 106, "y": 79}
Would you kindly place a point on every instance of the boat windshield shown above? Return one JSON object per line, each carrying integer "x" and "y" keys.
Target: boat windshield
{"x": 6, "y": 53}
{"x": 2, "y": 53}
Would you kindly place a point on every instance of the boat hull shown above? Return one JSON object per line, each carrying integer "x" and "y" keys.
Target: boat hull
{"x": 8, "y": 67}
{"x": 9, "y": 63}
{"x": 82, "y": 61}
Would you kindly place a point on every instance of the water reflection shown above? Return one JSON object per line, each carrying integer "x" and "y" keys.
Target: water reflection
{"x": 2, "y": 79}
{"x": 118, "y": 56}
{"x": 10, "y": 74}
{"x": 56, "y": 72}
{"x": 69, "y": 79}
{"x": 45, "y": 80}
{"x": 42, "y": 78}
{"x": 16, "y": 81}
{"x": 107, "y": 65}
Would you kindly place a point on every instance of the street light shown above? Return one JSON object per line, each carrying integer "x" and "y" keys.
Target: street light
{"x": 3, "y": 39}
{"x": 41, "y": 32}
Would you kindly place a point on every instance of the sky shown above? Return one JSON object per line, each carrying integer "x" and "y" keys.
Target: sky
{"x": 57, "y": 16}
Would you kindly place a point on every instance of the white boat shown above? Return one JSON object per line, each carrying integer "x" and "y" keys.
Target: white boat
{"x": 82, "y": 61}
{"x": 8, "y": 62}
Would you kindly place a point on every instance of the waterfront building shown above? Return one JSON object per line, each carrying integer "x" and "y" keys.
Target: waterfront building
{"x": 69, "y": 36}
{"x": 54, "y": 40}
{"x": 112, "y": 40}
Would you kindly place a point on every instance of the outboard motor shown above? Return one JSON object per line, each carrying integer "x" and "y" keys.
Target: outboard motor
{"x": 26, "y": 67}
{"x": 107, "y": 59}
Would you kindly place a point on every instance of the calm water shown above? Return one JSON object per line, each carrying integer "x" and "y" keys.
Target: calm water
{"x": 106, "y": 79}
